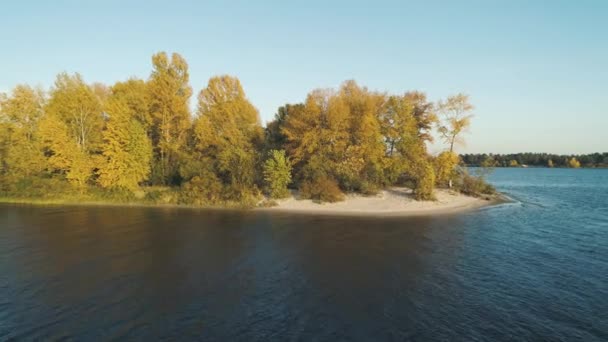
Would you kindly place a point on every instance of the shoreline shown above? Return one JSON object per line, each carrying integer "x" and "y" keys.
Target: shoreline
{"x": 392, "y": 202}
{"x": 55, "y": 203}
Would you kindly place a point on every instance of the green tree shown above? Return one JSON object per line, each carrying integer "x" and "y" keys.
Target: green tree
{"x": 277, "y": 174}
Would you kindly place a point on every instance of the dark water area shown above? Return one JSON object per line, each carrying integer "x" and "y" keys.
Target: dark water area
{"x": 535, "y": 269}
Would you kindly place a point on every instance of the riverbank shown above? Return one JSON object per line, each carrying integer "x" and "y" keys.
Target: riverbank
{"x": 390, "y": 202}
{"x": 396, "y": 202}
{"x": 102, "y": 203}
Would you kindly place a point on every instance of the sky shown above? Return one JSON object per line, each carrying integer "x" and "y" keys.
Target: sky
{"x": 536, "y": 71}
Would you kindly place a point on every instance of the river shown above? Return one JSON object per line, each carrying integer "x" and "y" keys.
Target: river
{"x": 535, "y": 269}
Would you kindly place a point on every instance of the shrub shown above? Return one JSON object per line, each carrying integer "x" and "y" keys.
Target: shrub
{"x": 116, "y": 194}
{"x": 203, "y": 190}
{"x": 321, "y": 189}
{"x": 36, "y": 187}
{"x": 445, "y": 164}
{"x": 424, "y": 182}
{"x": 277, "y": 174}
{"x": 240, "y": 196}
{"x": 368, "y": 189}
{"x": 153, "y": 196}
{"x": 474, "y": 185}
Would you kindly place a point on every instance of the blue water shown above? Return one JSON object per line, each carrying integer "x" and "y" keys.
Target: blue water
{"x": 535, "y": 269}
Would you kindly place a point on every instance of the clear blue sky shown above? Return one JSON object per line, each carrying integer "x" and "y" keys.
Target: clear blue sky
{"x": 537, "y": 71}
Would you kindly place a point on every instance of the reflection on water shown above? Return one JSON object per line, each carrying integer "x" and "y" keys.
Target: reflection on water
{"x": 536, "y": 269}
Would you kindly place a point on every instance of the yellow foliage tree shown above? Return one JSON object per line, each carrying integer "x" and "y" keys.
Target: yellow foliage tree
{"x": 73, "y": 102}
{"x": 134, "y": 93}
{"x": 227, "y": 133}
{"x": 423, "y": 112}
{"x": 72, "y": 127}
{"x": 20, "y": 114}
{"x": 127, "y": 151}
{"x": 574, "y": 163}
{"x": 66, "y": 156}
{"x": 456, "y": 118}
{"x": 169, "y": 92}
{"x": 363, "y": 158}
{"x": 445, "y": 164}
{"x": 318, "y": 135}
{"x": 402, "y": 135}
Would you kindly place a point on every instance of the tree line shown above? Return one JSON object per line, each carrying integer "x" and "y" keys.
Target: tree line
{"x": 139, "y": 139}
{"x": 537, "y": 160}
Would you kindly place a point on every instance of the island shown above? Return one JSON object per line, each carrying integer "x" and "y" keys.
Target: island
{"x": 137, "y": 142}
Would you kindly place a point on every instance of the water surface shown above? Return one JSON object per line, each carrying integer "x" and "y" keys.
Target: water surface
{"x": 536, "y": 269}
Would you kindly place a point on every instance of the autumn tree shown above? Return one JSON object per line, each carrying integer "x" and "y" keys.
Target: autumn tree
{"x": 318, "y": 136}
{"x": 65, "y": 156}
{"x": 360, "y": 139}
{"x": 275, "y": 138}
{"x": 74, "y": 103}
{"x": 423, "y": 177}
{"x": 349, "y": 139}
{"x": 169, "y": 92}
{"x": 455, "y": 113}
{"x": 423, "y": 112}
{"x": 20, "y": 114}
{"x": 127, "y": 151}
{"x": 574, "y": 163}
{"x": 399, "y": 126}
{"x": 445, "y": 164}
{"x": 134, "y": 94}
{"x": 405, "y": 146}
{"x": 227, "y": 136}
{"x": 71, "y": 129}
{"x": 361, "y": 168}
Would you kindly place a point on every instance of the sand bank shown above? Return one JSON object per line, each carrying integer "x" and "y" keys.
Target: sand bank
{"x": 390, "y": 202}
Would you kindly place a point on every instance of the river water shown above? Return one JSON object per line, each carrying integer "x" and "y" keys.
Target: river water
{"x": 535, "y": 269}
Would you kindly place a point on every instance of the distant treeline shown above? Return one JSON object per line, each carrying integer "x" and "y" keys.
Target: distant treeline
{"x": 536, "y": 160}
{"x": 138, "y": 140}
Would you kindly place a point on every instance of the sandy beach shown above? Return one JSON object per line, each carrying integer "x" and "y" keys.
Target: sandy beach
{"x": 390, "y": 202}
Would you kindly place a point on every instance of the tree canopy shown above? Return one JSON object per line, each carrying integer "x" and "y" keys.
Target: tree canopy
{"x": 538, "y": 159}
{"x": 141, "y": 138}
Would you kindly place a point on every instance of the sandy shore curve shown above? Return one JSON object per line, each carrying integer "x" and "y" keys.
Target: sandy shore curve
{"x": 390, "y": 202}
